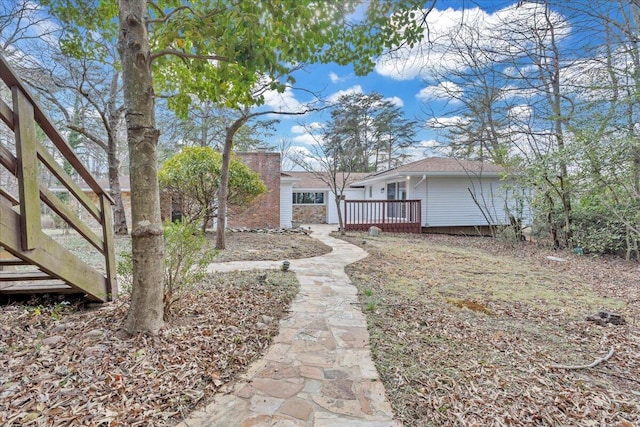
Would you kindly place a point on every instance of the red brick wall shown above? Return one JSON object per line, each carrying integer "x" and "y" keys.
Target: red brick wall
{"x": 264, "y": 212}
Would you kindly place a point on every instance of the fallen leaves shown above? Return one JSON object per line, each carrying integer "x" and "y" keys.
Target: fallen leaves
{"x": 92, "y": 374}
{"x": 445, "y": 361}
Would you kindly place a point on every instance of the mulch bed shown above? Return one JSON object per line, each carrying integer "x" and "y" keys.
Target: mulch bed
{"x": 264, "y": 246}
{"x": 63, "y": 362}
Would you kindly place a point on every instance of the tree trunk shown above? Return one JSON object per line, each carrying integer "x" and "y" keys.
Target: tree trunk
{"x": 114, "y": 115}
{"x": 119, "y": 217}
{"x": 558, "y": 120}
{"x": 340, "y": 219}
{"x": 223, "y": 191}
{"x": 146, "y": 310}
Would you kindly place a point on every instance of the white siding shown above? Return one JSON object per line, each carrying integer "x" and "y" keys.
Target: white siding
{"x": 449, "y": 202}
{"x": 350, "y": 194}
{"x": 286, "y": 204}
{"x": 376, "y": 193}
{"x": 418, "y": 191}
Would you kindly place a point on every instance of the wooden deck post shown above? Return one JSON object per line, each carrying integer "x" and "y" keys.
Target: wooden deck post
{"x": 109, "y": 249}
{"x": 27, "y": 170}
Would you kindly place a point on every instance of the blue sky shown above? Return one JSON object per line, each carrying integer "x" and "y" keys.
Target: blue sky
{"x": 408, "y": 79}
{"x": 399, "y": 80}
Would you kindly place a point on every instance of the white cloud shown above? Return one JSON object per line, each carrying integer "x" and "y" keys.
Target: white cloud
{"x": 301, "y": 129}
{"x": 442, "y": 91}
{"x": 307, "y": 139}
{"x": 453, "y": 38}
{"x": 426, "y": 148}
{"x": 282, "y": 102}
{"x": 395, "y": 100}
{"x": 335, "y": 78}
{"x": 336, "y": 96}
{"x": 299, "y": 151}
{"x": 520, "y": 112}
{"x": 444, "y": 122}
{"x": 429, "y": 143}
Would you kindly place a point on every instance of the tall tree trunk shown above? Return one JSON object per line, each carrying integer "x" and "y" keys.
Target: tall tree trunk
{"x": 558, "y": 122}
{"x": 119, "y": 217}
{"x": 223, "y": 191}
{"x": 114, "y": 115}
{"x": 146, "y": 310}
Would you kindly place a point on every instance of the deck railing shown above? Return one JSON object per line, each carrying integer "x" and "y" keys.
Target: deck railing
{"x": 21, "y": 235}
{"x": 397, "y": 216}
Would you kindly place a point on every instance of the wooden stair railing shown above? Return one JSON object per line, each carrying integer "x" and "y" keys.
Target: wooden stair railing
{"x": 21, "y": 234}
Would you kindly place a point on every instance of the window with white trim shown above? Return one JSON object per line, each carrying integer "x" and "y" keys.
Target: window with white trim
{"x": 308, "y": 198}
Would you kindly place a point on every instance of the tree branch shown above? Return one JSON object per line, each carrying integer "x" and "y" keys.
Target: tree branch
{"x": 590, "y": 365}
{"x": 88, "y": 135}
{"x": 168, "y": 16}
{"x": 185, "y": 55}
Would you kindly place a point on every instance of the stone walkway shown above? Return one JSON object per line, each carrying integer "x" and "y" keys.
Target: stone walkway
{"x": 319, "y": 371}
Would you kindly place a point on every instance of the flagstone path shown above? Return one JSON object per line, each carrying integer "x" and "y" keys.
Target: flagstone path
{"x": 318, "y": 372}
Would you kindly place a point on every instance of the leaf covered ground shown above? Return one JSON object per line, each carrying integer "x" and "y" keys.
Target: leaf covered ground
{"x": 63, "y": 362}
{"x": 465, "y": 331}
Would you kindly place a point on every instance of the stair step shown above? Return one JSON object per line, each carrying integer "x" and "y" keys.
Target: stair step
{"x": 53, "y": 286}
{"x": 23, "y": 276}
{"x": 11, "y": 261}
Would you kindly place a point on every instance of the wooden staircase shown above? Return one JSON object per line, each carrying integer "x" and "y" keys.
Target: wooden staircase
{"x": 30, "y": 260}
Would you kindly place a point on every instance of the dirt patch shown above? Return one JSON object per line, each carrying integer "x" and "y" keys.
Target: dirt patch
{"x": 251, "y": 246}
{"x": 464, "y": 331}
{"x": 62, "y": 363}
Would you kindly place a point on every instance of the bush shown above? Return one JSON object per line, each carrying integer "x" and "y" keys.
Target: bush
{"x": 596, "y": 229}
{"x": 185, "y": 262}
{"x": 124, "y": 268}
{"x": 193, "y": 175}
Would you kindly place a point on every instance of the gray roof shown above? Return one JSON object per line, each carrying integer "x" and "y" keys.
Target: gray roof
{"x": 312, "y": 180}
{"x": 439, "y": 166}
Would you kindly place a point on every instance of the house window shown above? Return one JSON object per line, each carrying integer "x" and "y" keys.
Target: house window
{"x": 397, "y": 191}
{"x": 370, "y": 191}
{"x": 304, "y": 198}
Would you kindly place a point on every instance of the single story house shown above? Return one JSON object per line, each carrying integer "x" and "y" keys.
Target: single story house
{"x": 434, "y": 194}
{"x": 438, "y": 194}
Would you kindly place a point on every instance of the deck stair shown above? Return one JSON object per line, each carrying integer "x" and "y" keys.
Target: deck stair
{"x": 30, "y": 260}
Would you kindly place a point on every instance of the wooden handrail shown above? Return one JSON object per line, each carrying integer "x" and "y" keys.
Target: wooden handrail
{"x": 12, "y": 80}
{"x": 21, "y": 232}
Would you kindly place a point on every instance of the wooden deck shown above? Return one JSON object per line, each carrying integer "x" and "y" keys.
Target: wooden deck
{"x": 30, "y": 260}
{"x": 394, "y": 216}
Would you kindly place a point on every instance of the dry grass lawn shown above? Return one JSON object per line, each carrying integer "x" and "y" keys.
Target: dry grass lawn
{"x": 465, "y": 331}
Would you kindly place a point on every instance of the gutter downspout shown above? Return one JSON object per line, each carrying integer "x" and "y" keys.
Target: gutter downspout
{"x": 426, "y": 196}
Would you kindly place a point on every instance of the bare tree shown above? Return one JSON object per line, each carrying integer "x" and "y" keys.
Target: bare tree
{"x": 97, "y": 113}
{"x": 244, "y": 116}
{"x": 332, "y": 163}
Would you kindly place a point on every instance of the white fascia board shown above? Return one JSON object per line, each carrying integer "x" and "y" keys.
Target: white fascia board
{"x": 289, "y": 179}
{"x": 404, "y": 175}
